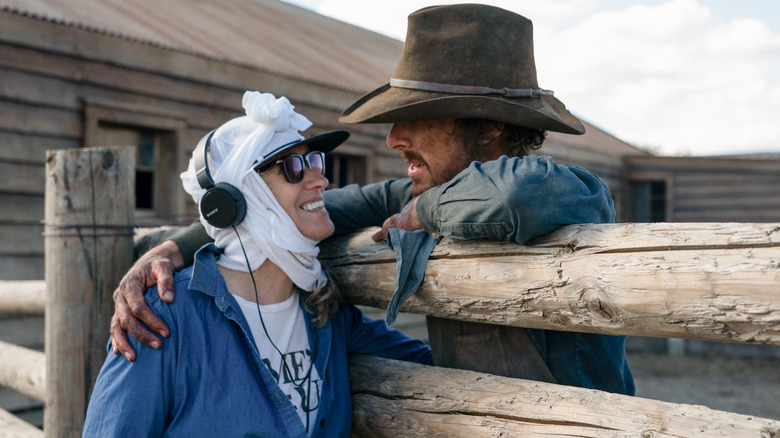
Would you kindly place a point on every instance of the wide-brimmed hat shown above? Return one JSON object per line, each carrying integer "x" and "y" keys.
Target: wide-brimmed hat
{"x": 466, "y": 61}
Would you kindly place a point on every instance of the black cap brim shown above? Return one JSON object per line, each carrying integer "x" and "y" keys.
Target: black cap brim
{"x": 323, "y": 142}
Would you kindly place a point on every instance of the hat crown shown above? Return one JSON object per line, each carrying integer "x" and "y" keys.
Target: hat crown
{"x": 472, "y": 44}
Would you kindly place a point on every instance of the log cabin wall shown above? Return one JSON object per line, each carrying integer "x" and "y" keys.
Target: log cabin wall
{"x": 703, "y": 189}
{"x": 63, "y": 86}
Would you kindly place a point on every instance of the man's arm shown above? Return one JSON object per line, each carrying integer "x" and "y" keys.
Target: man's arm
{"x": 156, "y": 266}
{"x": 354, "y": 207}
{"x": 514, "y": 199}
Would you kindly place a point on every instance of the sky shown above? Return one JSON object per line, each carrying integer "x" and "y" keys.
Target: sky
{"x": 675, "y": 77}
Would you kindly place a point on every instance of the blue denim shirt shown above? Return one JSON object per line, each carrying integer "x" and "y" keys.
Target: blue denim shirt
{"x": 510, "y": 199}
{"x": 209, "y": 379}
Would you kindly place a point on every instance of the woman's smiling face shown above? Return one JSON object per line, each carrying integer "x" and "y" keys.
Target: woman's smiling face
{"x": 302, "y": 201}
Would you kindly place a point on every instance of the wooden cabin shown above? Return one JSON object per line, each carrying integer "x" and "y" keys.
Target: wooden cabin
{"x": 703, "y": 189}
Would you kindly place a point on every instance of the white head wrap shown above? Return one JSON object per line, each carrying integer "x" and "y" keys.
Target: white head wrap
{"x": 267, "y": 231}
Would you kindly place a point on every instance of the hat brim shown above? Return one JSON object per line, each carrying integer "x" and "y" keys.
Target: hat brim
{"x": 323, "y": 142}
{"x": 389, "y": 104}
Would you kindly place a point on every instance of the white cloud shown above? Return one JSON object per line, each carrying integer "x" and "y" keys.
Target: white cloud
{"x": 390, "y": 18}
{"x": 669, "y": 76}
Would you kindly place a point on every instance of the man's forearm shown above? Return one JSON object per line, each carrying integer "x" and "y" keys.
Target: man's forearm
{"x": 188, "y": 241}
{"x": 354, "y": 207}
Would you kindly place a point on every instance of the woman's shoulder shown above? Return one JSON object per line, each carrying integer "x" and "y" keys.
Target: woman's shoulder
{"x": 181, "y": 282}
{"x": 348, "y": 317}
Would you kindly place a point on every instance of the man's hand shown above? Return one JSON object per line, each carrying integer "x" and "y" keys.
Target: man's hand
{"x": 155, "y": 267}
{"x": 406, "y": 220}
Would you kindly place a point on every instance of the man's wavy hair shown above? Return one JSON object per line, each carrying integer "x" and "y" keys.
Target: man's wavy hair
{"x": 520, "y": 141}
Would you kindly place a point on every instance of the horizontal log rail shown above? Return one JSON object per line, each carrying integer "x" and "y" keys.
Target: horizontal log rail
{"x": 12, "y": 426}
{"x": 23, "y": 370}
{"x": 716, "y": 282}
{"x": 28, "y": 297}
{"x": 22, "y": 297}
{"x": 393, "y": 398}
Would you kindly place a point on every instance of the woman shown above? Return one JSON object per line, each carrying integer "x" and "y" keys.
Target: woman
{"x": 258, "y": 344}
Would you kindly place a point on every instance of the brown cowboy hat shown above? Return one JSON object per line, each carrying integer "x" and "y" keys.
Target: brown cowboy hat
{"x": 466, "y": 61}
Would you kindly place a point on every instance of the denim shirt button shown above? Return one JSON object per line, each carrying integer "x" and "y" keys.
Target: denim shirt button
{"x": 322, "y": 422}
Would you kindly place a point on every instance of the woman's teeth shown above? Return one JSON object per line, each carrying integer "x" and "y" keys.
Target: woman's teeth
{"x": 311, "y": 206}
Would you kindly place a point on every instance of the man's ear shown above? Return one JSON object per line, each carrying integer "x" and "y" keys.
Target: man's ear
{"x": 491, "y": 132}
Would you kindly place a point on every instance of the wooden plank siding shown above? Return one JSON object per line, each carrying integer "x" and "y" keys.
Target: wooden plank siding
{"x": 714, "y": 189}
{"x": 54, "y": 79}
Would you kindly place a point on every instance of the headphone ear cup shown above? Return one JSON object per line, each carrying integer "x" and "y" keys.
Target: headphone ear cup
{"x": 223, "y": 206}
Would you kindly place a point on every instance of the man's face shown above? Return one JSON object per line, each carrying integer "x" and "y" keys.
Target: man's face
{"x": 434, "y": 149}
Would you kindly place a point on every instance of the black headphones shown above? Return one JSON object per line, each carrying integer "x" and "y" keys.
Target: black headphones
{"x": 223, "y": 205}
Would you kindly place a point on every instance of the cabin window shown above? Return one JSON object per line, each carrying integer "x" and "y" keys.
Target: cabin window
{"x": 648, "y": 201}
{"x": 153, "y": 159}
{"x": 145, "y": 161}
{"x": 155, "y": 134}
{"x": 343, "y": 169}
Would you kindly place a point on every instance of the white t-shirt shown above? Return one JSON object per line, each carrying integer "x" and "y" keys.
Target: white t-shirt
{"x": 286, "y": 325}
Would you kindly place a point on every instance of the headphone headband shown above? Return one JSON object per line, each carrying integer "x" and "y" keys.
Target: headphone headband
{"x": 223, "y": 205}
{"x": 200, "y": 158}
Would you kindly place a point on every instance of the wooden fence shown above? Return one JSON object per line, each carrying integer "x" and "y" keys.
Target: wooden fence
{"x": 716, "y": 282}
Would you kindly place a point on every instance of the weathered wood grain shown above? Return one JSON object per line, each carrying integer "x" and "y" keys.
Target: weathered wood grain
{"x": 393, "y": 398}
{"x": 89, "y": 217}
{"x": 718, "y": 282}
{"x": 713, "y": 189}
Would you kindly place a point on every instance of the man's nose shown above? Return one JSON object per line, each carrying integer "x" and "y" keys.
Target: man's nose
{"x": 397, "y": 138}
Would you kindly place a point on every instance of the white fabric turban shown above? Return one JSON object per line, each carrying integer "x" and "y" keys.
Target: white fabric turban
{"x": 267, "y": 232}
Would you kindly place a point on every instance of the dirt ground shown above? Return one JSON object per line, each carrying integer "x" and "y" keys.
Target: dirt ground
{"x": 746, "y": 385}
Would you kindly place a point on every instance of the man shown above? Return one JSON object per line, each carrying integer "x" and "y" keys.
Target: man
{"x": 464, "y": 99}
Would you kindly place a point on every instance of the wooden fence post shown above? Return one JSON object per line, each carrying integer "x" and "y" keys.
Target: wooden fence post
{"x": 89, "y": 214}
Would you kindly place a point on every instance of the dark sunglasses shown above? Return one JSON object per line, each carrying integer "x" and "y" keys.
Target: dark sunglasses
{"x": 293, "y": 165}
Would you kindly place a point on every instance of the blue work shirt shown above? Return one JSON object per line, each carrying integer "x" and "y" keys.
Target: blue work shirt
{"x": 208, "y": 379}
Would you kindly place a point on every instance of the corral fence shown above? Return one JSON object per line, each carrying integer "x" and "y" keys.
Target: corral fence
{"x": 715, "y": 282}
